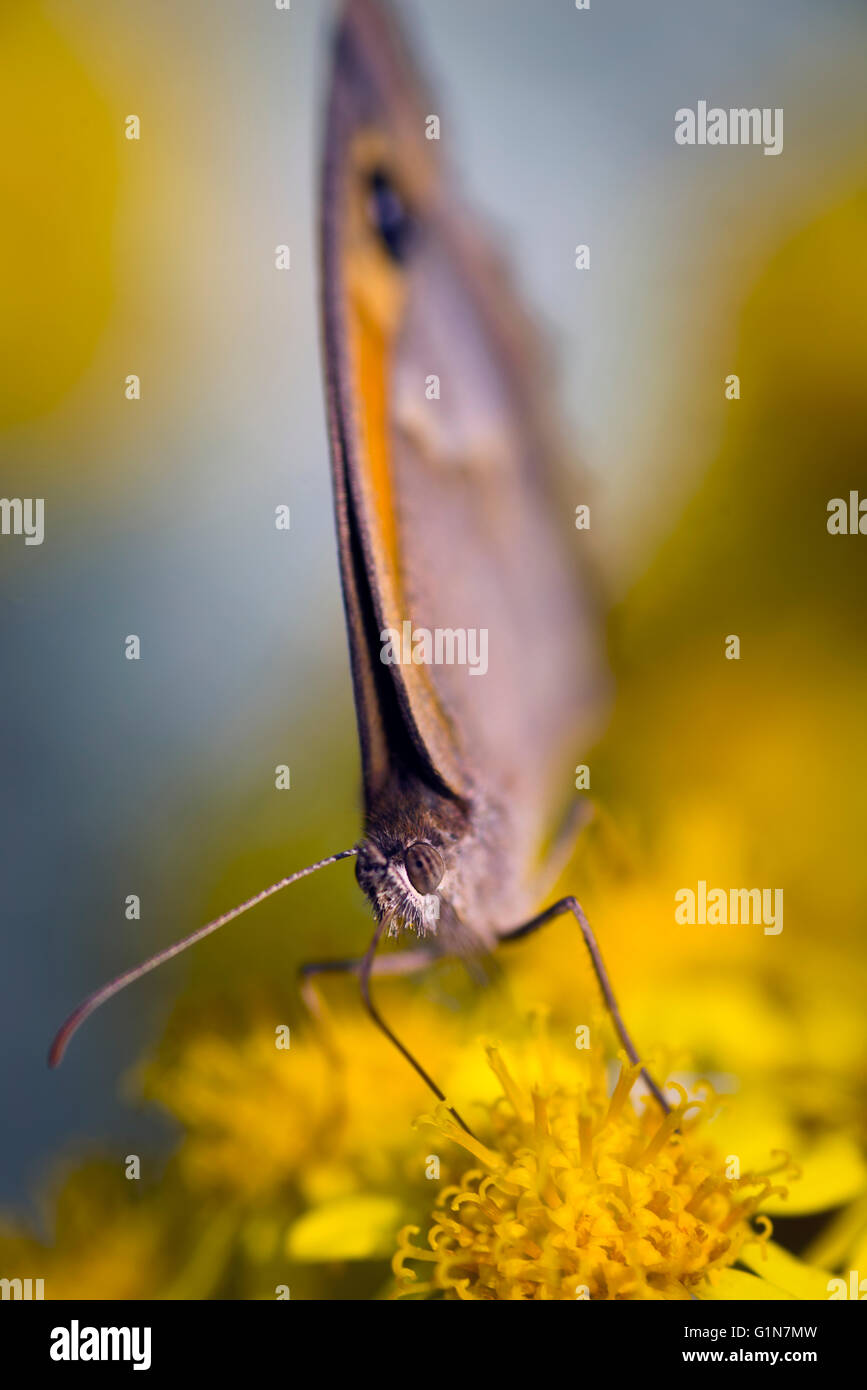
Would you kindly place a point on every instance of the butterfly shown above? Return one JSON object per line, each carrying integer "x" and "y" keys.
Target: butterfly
{"x": 453, "y": 539}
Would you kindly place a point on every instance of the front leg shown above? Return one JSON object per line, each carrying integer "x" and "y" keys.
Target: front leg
{"x": 401, "y": 963}
{"x": 572, "y": 905}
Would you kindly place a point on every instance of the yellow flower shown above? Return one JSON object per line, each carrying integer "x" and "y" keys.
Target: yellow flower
{"x": 252, "y": 1113}
{"x": 581, "y": 1196}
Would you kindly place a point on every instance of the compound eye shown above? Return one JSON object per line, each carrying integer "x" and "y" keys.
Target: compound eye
{"x": 424, "y": 867}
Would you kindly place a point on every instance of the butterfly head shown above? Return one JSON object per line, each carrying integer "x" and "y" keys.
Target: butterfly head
{"x": 402, "y": 879}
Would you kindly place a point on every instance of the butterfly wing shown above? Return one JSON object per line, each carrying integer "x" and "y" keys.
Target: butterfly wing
{"x": 447, "y": 513}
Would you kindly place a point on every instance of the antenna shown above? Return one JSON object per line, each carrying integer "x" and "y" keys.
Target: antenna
{"x": 93, "y": 1001}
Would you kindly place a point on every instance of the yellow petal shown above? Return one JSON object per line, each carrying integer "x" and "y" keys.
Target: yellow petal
{"x": 843, "y": 1238}
{"x": 800, "y": 1280}
{"x": 350, "y": 1228}
{"x": 832, "y": 1174}
{"x": 733, "y": 1284}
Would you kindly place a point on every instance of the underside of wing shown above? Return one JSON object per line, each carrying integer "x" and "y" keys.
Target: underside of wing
{"x": 452, "y": 536}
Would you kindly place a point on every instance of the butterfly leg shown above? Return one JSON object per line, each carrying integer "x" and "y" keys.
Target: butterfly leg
{"x": 572, "y": 905}
{"x": 404, "y": 963}
{"x": 364, "y": 974}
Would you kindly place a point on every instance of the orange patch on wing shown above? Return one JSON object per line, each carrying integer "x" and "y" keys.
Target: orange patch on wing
{"x": 370, "y": 356}
{"x": 376, "y": 296}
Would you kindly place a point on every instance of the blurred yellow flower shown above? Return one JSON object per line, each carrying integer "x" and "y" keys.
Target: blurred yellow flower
{"x": 332, "y": 1120}
{"x": 115, "y": 1238}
